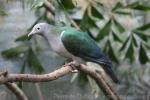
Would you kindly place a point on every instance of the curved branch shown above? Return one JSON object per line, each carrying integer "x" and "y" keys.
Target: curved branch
{"x": 95, "y": 74}
{"x": 107, "y": 89}
{"x": 36, "y": 78}
{"x": 16, "y": 90}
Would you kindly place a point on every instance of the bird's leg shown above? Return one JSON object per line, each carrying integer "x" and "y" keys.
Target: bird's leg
{"x": 72, "y": 65}
{"x": 74, "y": 69}
{"x": 68, "y": 64}
{"x": 5, "y": 73}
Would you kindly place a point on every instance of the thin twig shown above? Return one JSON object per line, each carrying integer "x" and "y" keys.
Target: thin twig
{"x": 16, "y": 90}
{"x": 39, "y": 92}
{"x": 49, "y": 7}
{"x": 3, "y": 73}
{"x": 108, "y": 85}
{"x": 67, "y": 15}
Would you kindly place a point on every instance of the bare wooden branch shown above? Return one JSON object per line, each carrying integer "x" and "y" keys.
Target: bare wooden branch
{"x": 3, "y": 73}
{"x": 39, "y": 92}
{"x": 95, "y": 74}
{"x": 16, "y": 90}
{"x": 47, "y": 4}
{"x": 107, "y": 89}
{"x": 49, "y": 7}
{"x": 36, "y": 78}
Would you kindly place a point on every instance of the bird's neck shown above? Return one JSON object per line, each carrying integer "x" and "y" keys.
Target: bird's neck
{"x": 51, "y": 38}
{"x": 53, "y": 35}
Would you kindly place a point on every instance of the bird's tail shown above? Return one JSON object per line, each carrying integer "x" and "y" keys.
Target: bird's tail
{"x": 107, "y": 66}
{"x": 110, "y": 72}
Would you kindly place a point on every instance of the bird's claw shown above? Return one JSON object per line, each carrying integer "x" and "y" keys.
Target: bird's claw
{"x": 74, "y": 69}
{"x": 3, "y": 73}
{"x": 68, "y": 64}
{"x": 71, "y": 64}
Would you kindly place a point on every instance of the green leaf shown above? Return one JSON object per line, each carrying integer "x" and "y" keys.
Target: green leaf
{"x": 117, "y": 6}
{"x": 34, "y": 62}
{"x": 138, "y": 6}
{"x": 22, "y": 70}
{"x": 96, "y": 13}
{"x": 121, "y": 12}
{"x": 106, "y": 47}
{"x": 87, "y": 22}
{"x": 111, "y": 53}
{"x": 134, "y": 40}
{"x": 130, "y": 52}
{"x": 37, "y": 3}
{"x": 116, "y": 37}
{"x": 133, "y": 4}
{"x": 104, "y": 31}
{"x": 23, "y": 38}
{"x": 120, "y": 28}
{"x": 82, "y": 79}
{"x": 68, "y": 4}
{"x": 119, "y": 9}
{"x": 2, "y": 12}
{"x": 142, "y": 36}
{"x": 91, "y": 22}
{"x": 94, "y": 86}
{"x": 15, "y": 52}
{"x": 125, "y": 43}
{"x": 144, "y": 27}
{"x": 143, "y": 58}
{"x": 84, "y": 22}
{"x": 99, "y": 3}
{"x": 147, "y": 46}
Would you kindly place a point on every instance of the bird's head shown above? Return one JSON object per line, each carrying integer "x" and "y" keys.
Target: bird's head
{"x": 39, "y": 29}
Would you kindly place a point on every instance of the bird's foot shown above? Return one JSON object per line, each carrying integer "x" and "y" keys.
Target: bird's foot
{"x": 74, "y": 70}
{"x": 72, "y": 65}
{"x": 5, "y": 73}
{"x": 68, "y": 64}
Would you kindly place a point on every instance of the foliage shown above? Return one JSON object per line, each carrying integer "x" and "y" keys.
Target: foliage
{"x": 2, "y": 11}
{"x": 95, "y": 12}
{"x": 119, "y": 39}
{"x": 25, "y": 52}
{"x": 112, "y": 28}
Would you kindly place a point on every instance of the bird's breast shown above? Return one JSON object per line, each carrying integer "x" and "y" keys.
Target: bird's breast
{"x": 59, "y": 48}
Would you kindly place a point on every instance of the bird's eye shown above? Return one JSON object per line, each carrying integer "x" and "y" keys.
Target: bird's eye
{"x": 38, "y": 28}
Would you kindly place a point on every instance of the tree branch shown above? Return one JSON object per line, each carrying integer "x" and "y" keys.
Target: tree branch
{"x": 36, "y": 78}
{"x": 47, "y": 4}
{"x": 95, "y": 74}
{"x": 39, "y": 92}
{"x": 107, "y": 89}
{"x": 16, "y": 90}
{"x": 49, "y": 7}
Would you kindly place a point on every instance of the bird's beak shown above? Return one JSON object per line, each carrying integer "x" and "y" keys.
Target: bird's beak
{"x": 30, "y": 34}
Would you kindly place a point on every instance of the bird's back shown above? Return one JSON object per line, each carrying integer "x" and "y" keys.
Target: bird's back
{"x": 80, "y": 44}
